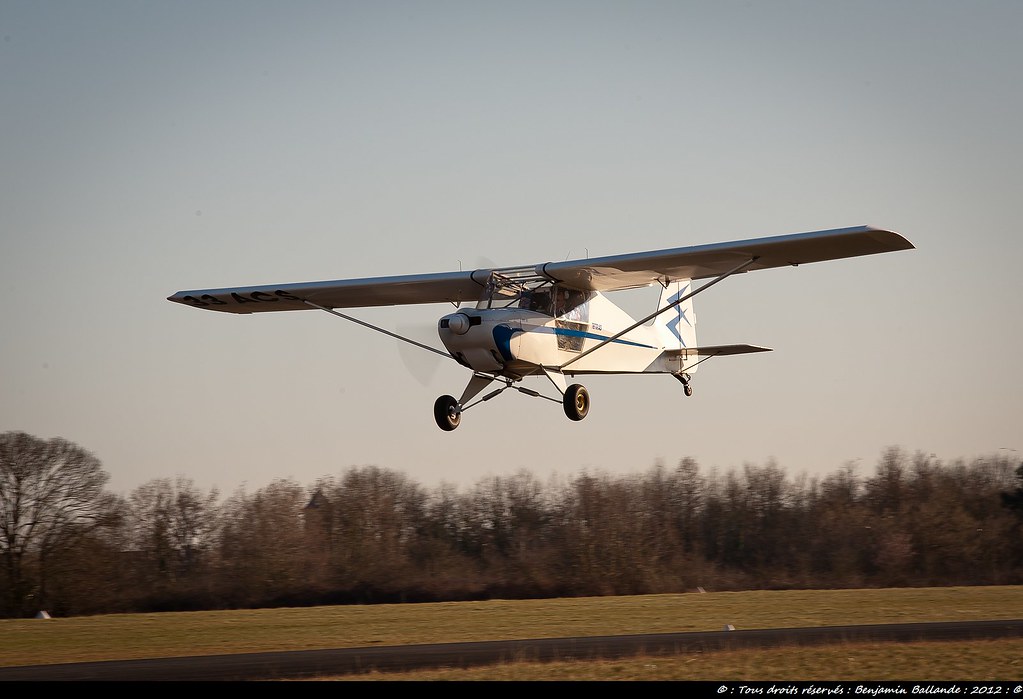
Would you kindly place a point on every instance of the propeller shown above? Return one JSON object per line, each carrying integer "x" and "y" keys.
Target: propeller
{"x": 421, "y": 363}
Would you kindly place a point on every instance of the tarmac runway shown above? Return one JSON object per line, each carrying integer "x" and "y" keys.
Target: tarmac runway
{"x": 343, "y": 661}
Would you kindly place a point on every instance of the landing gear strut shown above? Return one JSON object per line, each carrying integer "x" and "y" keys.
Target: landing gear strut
{"x": 684, "y": 378}
{"x": 447, "y": 411}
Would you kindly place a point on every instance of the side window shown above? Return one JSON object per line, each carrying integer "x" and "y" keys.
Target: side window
{"x": 571, "y": 305}
{"x": 540, "y": 301}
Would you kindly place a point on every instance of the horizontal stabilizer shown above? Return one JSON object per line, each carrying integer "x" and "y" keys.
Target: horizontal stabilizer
{"x": 718, "y": 350}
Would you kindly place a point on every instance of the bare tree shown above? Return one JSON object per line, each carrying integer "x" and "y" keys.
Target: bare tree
{"x": 51, "y": 492}
{"x": 265, "y": 553}
{"x": 376, "y": 514}
{"x": 837, "y": 530}
{"x": 1013, "y": 499}
{"x": 172, "y": 529}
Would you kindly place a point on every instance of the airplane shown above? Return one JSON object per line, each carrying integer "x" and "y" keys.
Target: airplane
{"x": 554, "y": 319}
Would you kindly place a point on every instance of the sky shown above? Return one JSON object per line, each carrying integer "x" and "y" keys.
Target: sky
{"x": 151, "y": 147}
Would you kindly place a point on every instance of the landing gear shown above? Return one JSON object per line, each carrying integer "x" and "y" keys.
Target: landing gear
{"x": 447, "y": 413}
{"x": 684, "y": 378}
{"x": 576, "y": 402}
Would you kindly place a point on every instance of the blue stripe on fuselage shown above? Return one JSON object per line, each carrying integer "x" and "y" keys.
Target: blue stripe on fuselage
{"x": 503, "y": 335}
{"x": 591, "y": 336}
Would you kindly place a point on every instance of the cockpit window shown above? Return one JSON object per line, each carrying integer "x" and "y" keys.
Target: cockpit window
{"x": 538, "y": 300}
{"x": 498, "y": 295}
{"x": 571, "y": 305}
{"x": 505, "y": 292}
{"x": 535, "y": 295}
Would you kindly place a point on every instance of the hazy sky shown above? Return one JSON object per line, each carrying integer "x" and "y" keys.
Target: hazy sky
{"x": 150, "y": 147}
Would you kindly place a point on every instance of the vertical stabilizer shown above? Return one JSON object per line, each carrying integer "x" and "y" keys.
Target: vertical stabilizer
{"x": 676, "y": 327}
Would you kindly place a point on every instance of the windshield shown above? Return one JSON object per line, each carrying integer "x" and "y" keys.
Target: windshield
{"x": 542, "y": 297}
{"x": 499, "y": 293}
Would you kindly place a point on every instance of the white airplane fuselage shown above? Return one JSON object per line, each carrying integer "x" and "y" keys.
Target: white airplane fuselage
{"x": 517, "y": 342}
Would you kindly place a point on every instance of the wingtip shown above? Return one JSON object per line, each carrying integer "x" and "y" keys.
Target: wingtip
{"x": 899, "y": 241}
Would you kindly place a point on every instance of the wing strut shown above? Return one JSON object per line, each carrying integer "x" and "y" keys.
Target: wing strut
{"x": 374, "y": 327}
{"x": 656, "y": 313}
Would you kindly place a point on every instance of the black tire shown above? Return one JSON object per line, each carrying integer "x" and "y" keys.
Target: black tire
{"x": 447, "y": 413}
{"x": 576, "y": 402}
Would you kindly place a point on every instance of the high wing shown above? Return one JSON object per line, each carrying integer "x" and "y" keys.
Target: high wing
{"x": 611, "y": 273}
{"x": 452, "y": 287}
{"x": 702, "y": 261}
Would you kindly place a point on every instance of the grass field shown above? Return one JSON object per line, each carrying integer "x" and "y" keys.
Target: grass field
{"x": 122, "y": 636}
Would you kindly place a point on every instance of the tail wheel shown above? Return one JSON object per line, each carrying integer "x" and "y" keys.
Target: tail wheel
{"x": 447, "y": 413}
{"x": 576, "y": 402}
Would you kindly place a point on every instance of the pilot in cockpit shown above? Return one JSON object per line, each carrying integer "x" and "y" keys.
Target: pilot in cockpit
{"x": 567, "y": 304}
{"x": 539, "y": 301}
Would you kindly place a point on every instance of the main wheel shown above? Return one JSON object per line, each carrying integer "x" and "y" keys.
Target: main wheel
{"x": 576, "y": 402}
{"x": 447, "y": 413}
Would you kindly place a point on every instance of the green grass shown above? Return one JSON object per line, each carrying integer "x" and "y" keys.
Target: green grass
{"x": 122, "y": 636}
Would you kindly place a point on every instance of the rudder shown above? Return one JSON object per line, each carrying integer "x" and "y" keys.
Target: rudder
{"x": 676, "y": 327}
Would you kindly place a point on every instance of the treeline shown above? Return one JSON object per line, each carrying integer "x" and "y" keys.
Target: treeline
{"x": 372, "y": 535}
